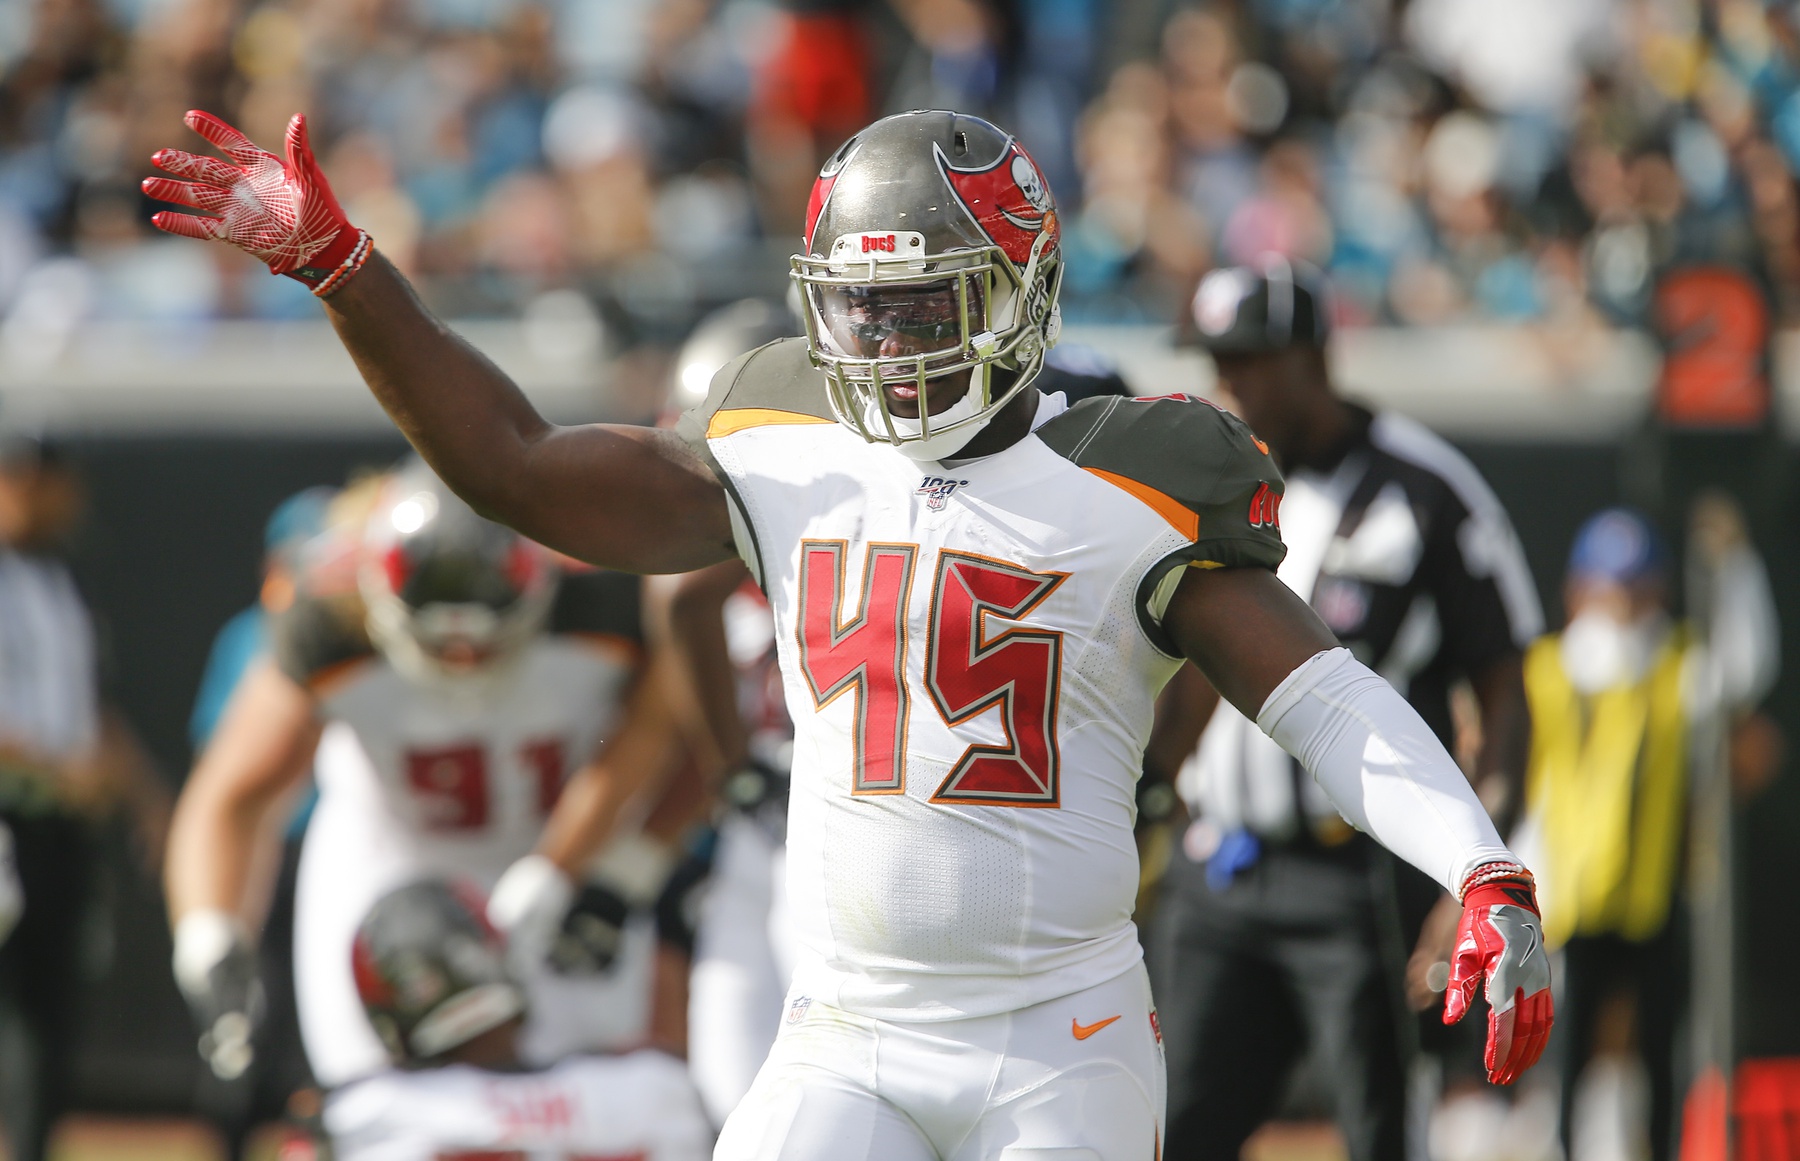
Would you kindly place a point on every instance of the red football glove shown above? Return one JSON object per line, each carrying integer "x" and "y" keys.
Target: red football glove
{"x": 1501, "y": 939}
{"x": 282, "y": 212}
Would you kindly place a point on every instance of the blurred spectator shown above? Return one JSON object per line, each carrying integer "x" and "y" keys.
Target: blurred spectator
{"x": 1445, "y": 163}
{"x": 1612, "y": 698}
{"x": 64, "y": 763}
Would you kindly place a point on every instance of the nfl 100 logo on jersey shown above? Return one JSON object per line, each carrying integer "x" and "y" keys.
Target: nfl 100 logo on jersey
{"x": 937, "y": 491}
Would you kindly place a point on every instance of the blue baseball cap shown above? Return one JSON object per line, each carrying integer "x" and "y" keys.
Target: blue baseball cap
{"x": 1618, "y": 545}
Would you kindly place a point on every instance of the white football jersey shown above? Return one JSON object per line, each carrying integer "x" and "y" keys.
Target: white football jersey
{"x": 638, "y": 1107}
{"x": 453, "y": 780}
{"x": 971, "y": 657}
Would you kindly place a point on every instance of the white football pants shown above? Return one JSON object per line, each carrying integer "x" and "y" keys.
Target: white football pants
{"x": 1078, "y": 1078}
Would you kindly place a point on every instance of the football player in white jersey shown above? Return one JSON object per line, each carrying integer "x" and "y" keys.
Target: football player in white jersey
{"x": 452, "y": 693}
{"x": 978, "y": 592}
{"x": 432, "y": 978}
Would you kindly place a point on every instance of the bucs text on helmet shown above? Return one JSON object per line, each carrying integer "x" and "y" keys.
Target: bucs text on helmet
{"x": 449, "y": 594}
{"x": 430, "y": 972}
{"x": 932, "y": 247}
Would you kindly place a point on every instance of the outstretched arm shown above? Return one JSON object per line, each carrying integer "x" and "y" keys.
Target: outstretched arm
{"x": 624, "y": 497}
{"x": 631, "y": 498}
{"x": 1270, "y": 656}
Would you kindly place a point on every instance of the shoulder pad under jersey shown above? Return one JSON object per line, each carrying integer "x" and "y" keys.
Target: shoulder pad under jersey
{"x": 317, "y": 636}
{"x": 599, "y": 602}
{"x": 1199, "y": 467}
{"x": 774, "y": 384}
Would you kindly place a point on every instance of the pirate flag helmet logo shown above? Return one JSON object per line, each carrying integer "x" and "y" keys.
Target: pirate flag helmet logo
{"x": 1007, "y": 198}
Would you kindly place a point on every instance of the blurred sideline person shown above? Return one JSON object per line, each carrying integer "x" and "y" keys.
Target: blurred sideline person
{"x": 961, "y": 867}
{"x": 457, "y": 697}
{"x": 1279, "y": 928}
{"x": 65, "y": 761}
{"x": 433, "y": 980}
{"x": 720, "y": 633}
{"x": 277, "y": 1069}
{"x": 1612, "y": 698}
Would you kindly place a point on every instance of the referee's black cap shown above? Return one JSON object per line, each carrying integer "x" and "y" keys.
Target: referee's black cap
{"x": 1271, "y": 305}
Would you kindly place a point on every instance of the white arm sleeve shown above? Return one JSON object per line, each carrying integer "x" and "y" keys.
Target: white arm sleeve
{"x": 1381, "y": 766}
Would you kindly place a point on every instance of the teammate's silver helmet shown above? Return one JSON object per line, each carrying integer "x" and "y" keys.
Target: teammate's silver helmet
{"x": 721, "y": 337}
{"x": 448, "y": 593}
{"x": 430, "y": 972}
{"x": 932, "y": 246}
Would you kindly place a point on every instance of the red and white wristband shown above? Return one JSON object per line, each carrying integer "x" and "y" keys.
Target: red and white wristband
{"x": 352, "y": 262}
{"x": 1491, "y": 872}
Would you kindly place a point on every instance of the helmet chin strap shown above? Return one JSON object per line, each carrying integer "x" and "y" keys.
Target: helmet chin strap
{"x": 942, "y": 443}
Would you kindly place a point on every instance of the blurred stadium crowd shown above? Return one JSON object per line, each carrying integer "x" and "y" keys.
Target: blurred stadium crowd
{"x": 1446, "y": 160}
{"x": 638, "y": 164}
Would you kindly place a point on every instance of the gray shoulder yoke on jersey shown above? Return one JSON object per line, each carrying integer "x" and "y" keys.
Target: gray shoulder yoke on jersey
{"x": 774, "y": 384}
{"x": 1197, "y": 466}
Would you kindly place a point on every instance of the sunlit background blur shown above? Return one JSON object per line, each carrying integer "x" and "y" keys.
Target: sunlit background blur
{"x": 1512, "y": 201}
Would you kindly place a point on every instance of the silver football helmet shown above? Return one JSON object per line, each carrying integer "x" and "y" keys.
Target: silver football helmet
{"x": 932, "y": 247}
{"x": 449, "y": 594}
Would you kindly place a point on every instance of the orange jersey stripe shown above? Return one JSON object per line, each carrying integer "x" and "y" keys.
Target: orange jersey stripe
{"x": 1180, "y": 517}
{"x": 723, "y": 423}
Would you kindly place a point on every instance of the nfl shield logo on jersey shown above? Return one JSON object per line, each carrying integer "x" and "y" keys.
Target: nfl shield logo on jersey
{"x": 937, "y": 491}
{"x": 797, "y": 1009}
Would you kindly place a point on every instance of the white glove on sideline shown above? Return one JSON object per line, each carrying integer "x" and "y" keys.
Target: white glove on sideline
{"x": 527, "y": 906}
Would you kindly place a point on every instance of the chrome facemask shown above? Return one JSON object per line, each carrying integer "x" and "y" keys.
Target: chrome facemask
{"x": 971, "y": 309}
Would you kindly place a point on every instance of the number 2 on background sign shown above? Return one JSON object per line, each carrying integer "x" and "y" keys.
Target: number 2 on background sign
{"x": 967, "y": 671}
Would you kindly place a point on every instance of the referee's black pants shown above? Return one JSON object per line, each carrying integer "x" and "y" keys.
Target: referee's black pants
{"x": 42, "y": 977}
{"x": 1298, "y": 952}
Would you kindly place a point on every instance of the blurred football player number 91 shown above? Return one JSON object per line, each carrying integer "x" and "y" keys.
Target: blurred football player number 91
{"x": 971, "y": 682}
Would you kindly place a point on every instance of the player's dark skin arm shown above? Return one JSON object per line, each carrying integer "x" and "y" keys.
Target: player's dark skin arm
{"x": 1245, "y": 630}
{"x": 624, "y": 497}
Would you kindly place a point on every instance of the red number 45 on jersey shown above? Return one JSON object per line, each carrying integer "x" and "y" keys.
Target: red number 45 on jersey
{"x": 969, "y": 669}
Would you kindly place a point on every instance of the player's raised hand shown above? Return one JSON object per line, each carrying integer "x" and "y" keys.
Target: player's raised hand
{"x": 1501, "y": 941}
{"x": 282, "y": 211}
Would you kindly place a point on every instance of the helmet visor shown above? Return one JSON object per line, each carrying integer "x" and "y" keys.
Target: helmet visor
{"x": 899, "y": 320}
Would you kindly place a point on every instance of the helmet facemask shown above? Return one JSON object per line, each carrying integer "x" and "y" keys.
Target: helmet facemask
{"x": 880, "y": 312}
